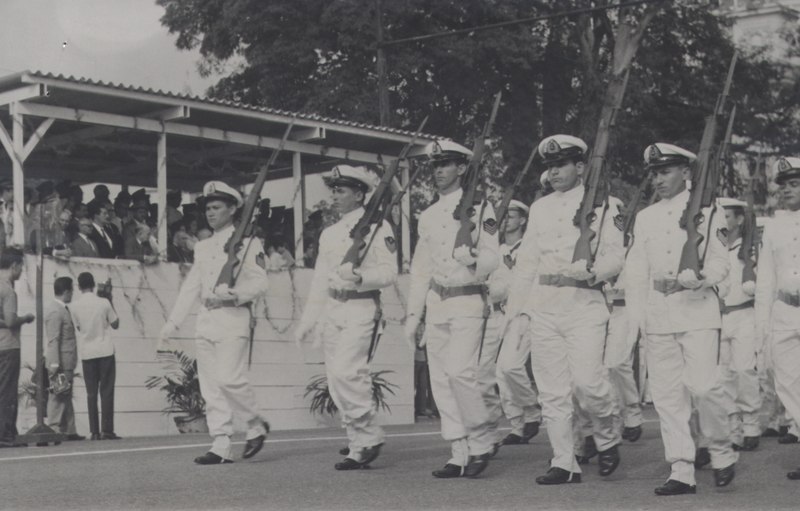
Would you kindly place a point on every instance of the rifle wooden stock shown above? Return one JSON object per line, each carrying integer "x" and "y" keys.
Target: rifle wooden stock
{"x": 704, "y": 184}
{"x": 748, "y": 251}
{"x": 228, "y": 274}
{"x": 378, "y": 203}
{"x": 632, "y": 210}
{"x": 466, "y": 207}
{"x": 502, "y": 209}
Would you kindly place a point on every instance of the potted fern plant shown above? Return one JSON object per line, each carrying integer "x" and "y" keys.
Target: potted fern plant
{"x": 181, "y": 385}
{"x": 322, "y": 401}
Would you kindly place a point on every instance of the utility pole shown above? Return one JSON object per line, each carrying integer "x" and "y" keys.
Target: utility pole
{"x": 383, "y": 85}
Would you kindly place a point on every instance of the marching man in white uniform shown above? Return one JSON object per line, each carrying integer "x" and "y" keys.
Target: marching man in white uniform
{"x": 562, "y": 305}
{"x": 739, "y": 333}
{"x": 519, "y": 400}
{"x": 450, "y": 291}
{"x": 778, "y": 290}
{"x": 680, "y": 317}
{"x": 343, "y": 312}
{"x": 223, "y": 326}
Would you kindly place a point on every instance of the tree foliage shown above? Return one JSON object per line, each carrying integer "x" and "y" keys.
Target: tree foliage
{"x": 319, "y": 56}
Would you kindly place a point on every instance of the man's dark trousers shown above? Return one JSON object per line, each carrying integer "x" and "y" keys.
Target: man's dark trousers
{"x": 99, "y": 374}
{"x": 9, "y": 382}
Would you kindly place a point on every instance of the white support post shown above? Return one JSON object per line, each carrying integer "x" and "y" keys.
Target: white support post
{"x": 405, "y": 222}
{"x": 17, "y": 174}
{"x": 161, "y": 183}
{"x": 299, "y": 207}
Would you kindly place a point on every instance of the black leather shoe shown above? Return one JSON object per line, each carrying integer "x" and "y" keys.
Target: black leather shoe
{"x": 750, "y": 443}
{"x": 788, "y": 438}
{"x": 210, "y": 458}
{"x": 449, "y": 471}
{"x": 73, "y": 437}
{"x": 632, "y": 434}
{"x": 110, "y": 436}
{"x": 252, "y": 446}
{"x": 41, "y": 444}
{"x": 344, "y": 451}
{"x": 477, "y": 464}
{"x": 348, "y": 464}
{"x": 724, "y": 476}
{"x": 701, "y": 458}
{"x": 673, "y": 487}
{"x": 514, "y": 439}
{"x": 495, "y": 449}
{"x": 370, "y": 454}
{"x": 769, "y": 432}
{"x": 783, "y": 430}
{"x": 794, "y": 475}
{"x": 608, "y": 461}
{"x": 96, "y": 436}
{"x": 530, "y": 430}
{"x": 558, "y": 476}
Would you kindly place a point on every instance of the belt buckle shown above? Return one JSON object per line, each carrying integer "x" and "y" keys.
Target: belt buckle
{"x": 445, "y": 293}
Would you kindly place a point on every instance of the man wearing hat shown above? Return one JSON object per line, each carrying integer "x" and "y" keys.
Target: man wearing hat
{"x": 223, "y": 326}
{"x": 778, "y": 290}
{"x": 738, "y": 333}
{"x": 448, "y": 286}
{"x": 343, "y": 310}
{"x": 520, "y": 404}
{"x": 561, "y": 306}
{"x": 679, "y": 313}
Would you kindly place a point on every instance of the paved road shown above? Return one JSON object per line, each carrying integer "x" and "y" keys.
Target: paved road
{"x": 295, "y": 471}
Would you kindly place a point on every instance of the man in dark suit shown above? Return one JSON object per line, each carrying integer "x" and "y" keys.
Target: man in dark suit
{"x": 82, "y": 245}
{"x": 105, "y": 245}
{"x": 61, "y": 357}
{"x": 139, "y": 247}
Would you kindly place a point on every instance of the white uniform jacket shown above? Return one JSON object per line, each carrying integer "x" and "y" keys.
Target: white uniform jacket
{"x": 731, "y": 290}
{"x": 378, "y": 270}
{"x": 500, "y": 280}
{"x": 209, "y": 258}
{"x": 779, "y": 273}
{"x": 655, "y": 256}
{"x": 547, "y": 249}
{"x": 433, "y": 261}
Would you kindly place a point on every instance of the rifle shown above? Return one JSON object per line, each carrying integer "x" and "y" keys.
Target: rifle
{"x": 502, "y": 209}
{"x": 748, "y": 250}
{"x": 630, "y": 214}
{"x": 595, "y": 193}
{"x": 466, "y": 206}
{"x": 703, "y": 188}
{"x": 376, "y": 209}
{"x": 227, "y": 276}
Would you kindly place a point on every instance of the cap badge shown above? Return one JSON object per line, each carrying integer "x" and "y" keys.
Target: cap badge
{"x": 552, "y": 147}
{"x": 336, "y": 173}
{"x": 437, "y": 149}
{"x": 783, "y": 165}
{"x": 654, "y": 153}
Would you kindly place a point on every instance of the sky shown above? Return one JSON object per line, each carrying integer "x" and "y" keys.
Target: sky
{"x": 120, "y": 41}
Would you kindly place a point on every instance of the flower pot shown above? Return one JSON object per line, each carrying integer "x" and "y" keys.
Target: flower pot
{"x": 191, "y": 424}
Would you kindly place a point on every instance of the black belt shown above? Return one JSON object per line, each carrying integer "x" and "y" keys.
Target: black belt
{"x": 344, "y": 295}
{"x": 726, "y": 309}
{"x": 792, "y": 299}
{"x": 446, "y": 292}
{"x": 564, "y": 281}
{"x": 618, "y": 302}
{"x": 223, "y": 304}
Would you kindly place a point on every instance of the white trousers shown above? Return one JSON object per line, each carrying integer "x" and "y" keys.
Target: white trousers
{"x": 222, "y": 371}
{"x": 618, "y": 360}
{"x": 681, "y": 367}
{"x": 738, "y": 355}
{"x": 786, "y": 358}
{"x": 453, "y": 363}
{"x": 346, "y": 346}
{"x": 518, "y": 398}
{"x": 567, "y": 359}
{"x": 487, "y": 369}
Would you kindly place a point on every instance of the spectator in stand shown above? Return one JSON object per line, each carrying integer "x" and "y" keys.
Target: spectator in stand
{"x": 82, "y": 245}
{"x": 122, "y": 213}
{"x": 173, "y": 203}
{"x": 139, "y": 247}
{"x": 101, "y": 196}
{"x": 44, "y": 213}
{"x": 93, "y": 317}
{"x": 115, "y": 234}
{"x": 100, "y": 236}
{"x": 181, "y": 250}
{"x": 6, "y": 209}
{"x": 80, "y": 211}
{"x": 11, "y": 261}
{"x": 61, "y": 357}
{"x": 140, "y": 217}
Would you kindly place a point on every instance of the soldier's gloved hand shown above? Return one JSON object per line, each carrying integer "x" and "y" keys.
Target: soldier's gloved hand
{"x": 348, "y": 273}
{"x": 223, "y": 292}
{"x": 167, "y": 331}
{"x": 464, "y": 256}
{"x": 578, "y": 270}
{"x": 688, "y": 279}
{"x": 410, "y": 332}
{"x": 749, "y": 288}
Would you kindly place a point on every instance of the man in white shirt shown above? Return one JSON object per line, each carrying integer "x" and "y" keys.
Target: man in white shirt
{"x": 680, "y": 316}
{"x": 93, "y": 318}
